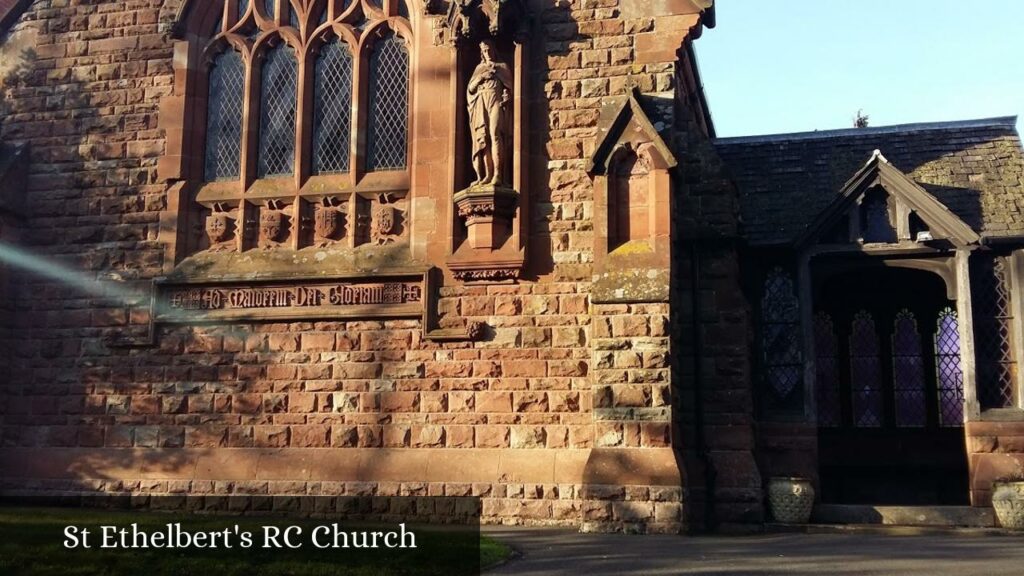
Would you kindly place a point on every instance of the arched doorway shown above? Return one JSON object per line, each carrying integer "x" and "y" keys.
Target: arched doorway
{"x": 889, "y": 389}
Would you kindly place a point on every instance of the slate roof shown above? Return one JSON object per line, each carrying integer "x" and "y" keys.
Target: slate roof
{"x": 974, "y": 167}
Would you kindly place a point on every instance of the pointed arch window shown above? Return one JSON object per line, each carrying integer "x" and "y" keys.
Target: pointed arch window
{"x": 224, "y": 117}
{"x": 387, "y": 129}
{"x": 332, "y": 128}
{"x": 287, "y": 85}
{"x": 826, "y": 348}
{"x": 908, "y": 372}
{"x": 278, "y": 101}
{"x": 865, "y": 372}
{"x": 949, "y": 375}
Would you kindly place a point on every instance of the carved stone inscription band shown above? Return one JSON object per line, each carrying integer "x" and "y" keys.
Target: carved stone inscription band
{"x": 331, "y": 299}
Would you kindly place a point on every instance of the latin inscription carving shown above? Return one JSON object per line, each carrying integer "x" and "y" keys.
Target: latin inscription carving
{"x": 219, "y": 298}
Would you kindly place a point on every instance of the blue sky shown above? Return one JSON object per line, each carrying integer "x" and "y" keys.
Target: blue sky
{"x": 811, "y": 64}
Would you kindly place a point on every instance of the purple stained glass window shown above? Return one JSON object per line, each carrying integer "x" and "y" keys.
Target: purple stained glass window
{"x": 780, "y": 343}
{"x": 908, "y": 372}
{"x": 949, "y": 377}
{"x": 826, "y": 349}
{"x": 865, "y": 372}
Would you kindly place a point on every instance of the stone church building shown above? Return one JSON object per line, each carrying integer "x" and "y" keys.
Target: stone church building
{"x": 488, "y": 248}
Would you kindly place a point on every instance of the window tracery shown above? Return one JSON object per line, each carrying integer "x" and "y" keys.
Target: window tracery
{"x": 288, "y": 85}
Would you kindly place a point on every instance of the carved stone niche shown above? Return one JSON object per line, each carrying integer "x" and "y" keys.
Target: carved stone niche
{"x": 632, "y": 169}
{"x": 488, "y": 159}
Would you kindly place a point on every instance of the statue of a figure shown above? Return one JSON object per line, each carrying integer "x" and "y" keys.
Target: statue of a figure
{"x": 488, "y": 95}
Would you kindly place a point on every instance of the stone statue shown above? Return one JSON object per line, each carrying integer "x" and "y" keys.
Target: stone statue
{"x": 488, "y": 96}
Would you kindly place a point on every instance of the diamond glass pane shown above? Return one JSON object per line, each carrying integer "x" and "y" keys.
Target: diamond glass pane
{"x": 333, "y": 120}
{"x": 781, "y": 344}
{"x": 826, "y": 349}
{"x": 389, "y": 105}
{"x": 224, "y": 117}
{"x": 908, "y": 372}
{"x": 277, "y": 113}
{"x": 993, "y": 320}
{"x": 243, "y": 5}
{"x": 865, "y": 372}
{"x": 949, "y": 376}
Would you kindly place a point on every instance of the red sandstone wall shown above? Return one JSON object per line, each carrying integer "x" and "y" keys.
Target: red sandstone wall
{"x": 539, "y": 419}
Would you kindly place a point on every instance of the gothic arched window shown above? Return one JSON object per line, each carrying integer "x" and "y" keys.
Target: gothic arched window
{"x": 781, "y": 348}
{"x": 827, "y": 385}
{"x": 278, "y": 97}
{"x": 288, "y": 83}
{"x": 949, "y": 375}
{"x": 865, "y": 372}
{"x": 387, "y": 129}
{"x": 332, "y": 124}
{"x": 908, "y": 372}
{"x": 224, "y": 117}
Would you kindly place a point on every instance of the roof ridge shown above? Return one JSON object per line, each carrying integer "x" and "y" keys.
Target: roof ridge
{"x": 999, "y": 121}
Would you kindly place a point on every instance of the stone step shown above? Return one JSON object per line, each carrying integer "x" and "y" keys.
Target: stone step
{"x": 925, "y": 516}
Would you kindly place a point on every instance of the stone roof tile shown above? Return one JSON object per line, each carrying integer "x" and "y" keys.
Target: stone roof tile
{"x": 975, "y": 168}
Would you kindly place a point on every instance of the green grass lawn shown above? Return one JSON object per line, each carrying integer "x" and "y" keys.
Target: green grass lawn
{"x": 32, "y": 543}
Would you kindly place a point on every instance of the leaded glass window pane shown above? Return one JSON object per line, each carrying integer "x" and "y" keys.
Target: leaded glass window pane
{"x": 826, "y": 349}
{"x": 277, "y": 113}
{"x": 781, "y": 344}
{"x": 908, "y": 372}
{"x": 865, "y": 372}
{"x": 389, "y": 105}
{"x": 270, "y": 7}
{"x": 224, "y": 117}
{"x": 993, "y": 324}
{"x": 332, "y": 128}
{"x": 949, "y": 376}
{"x": 243, "y": 5}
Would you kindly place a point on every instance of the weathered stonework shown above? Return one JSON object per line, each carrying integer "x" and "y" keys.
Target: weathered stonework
{"x": 515, "y": 385}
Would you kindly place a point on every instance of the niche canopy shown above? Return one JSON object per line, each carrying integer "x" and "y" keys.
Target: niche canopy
{"x": 488, "y": 157}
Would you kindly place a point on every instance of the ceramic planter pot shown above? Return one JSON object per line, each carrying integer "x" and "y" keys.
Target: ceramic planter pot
{"x": 1008, "y": 502}
{"x": 790, "y": 499}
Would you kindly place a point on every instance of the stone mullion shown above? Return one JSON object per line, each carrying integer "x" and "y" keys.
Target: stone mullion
{"x": 250, "y": 143}
{"x": 304, "y": 110}
{"x": 360, "y": 108}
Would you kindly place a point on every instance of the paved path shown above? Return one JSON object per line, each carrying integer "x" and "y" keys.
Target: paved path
{"x": 553, "y": 552}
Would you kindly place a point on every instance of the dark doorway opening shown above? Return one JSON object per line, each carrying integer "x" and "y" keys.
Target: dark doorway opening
{"x": 889, "y": 390}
